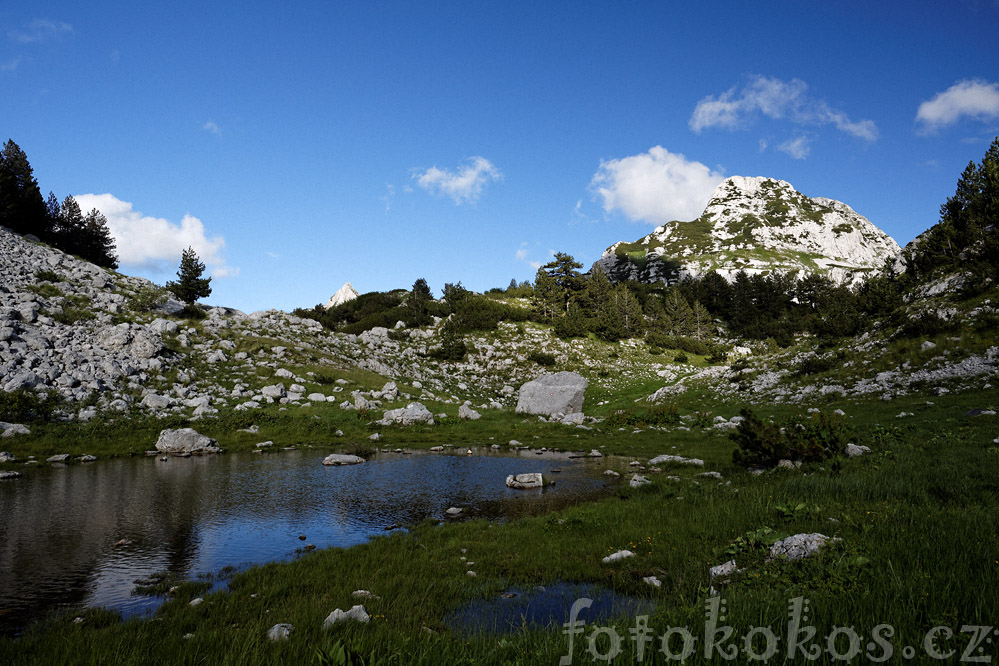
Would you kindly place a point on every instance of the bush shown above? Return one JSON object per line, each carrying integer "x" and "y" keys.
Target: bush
{"x": 27, "y": 406}
{"x": 452, "y": 347}
{"x": 813, "y": 365}
{"x": 764, "y": 444}
{"x": 47, "y": 276}
{"x": 680, "y": 358}
{"x": 926, "y": 324}
{"x": 660, "y": 415}
{"x": 542, "y": 358}
{"x": 192, "y": 312}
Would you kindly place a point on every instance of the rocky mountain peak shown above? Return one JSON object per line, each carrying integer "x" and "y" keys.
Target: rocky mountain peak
{"x": 343, "y": 295}
{"x": 758, "y": 225}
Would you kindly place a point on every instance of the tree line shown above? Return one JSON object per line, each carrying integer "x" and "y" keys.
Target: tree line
{"x": 62, "y": 225}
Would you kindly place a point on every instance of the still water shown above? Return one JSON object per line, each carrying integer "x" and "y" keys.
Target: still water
{"x": 59, "y": 526}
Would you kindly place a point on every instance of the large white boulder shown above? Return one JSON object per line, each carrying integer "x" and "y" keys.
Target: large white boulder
{"x": 560, "y": 393}
{"x": 185, "y": 440}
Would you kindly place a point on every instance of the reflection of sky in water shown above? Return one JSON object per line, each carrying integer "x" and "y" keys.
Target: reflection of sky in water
{"x": 197, "y": 515}
{"x": 543, "y": 606}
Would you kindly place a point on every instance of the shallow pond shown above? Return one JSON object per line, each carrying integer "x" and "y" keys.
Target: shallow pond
{"x": 195, "y": 516}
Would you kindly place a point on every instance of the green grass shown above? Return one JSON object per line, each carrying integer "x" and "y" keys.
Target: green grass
{"x": 918, "y": 521}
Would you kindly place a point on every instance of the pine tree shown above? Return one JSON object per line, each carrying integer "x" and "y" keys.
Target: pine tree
{"x": 190, "y": 286}
{"x": 22, "y": 208}
{"x": 547, "y": 299}
{"x": 678, "y": 317}
{"x": 69, "y": 230}
{"x": 96, "y": 244}
{"x": 418, "y": 304}
{"x": 701, "y": 320}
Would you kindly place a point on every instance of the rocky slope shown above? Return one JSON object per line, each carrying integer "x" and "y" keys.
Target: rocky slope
{"x": 757, "y": 225}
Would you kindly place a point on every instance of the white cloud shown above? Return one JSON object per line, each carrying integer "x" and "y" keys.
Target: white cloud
{"x": 40, "y": 30}
{"x": 780, "y": 100}
{"x": 798, "y": 147}
{"x": 10, "y": 65}
{"x": 154, "y": 243}
{"x": 212, "y": 127}
{"x": 972, "y": 98}
{"x": 465, "y": 184}
{"x": 656, "y": 187}
{"x": 521, "y": 255}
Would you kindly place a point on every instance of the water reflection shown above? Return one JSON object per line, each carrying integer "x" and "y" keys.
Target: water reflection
{"x": 195, "y": 516}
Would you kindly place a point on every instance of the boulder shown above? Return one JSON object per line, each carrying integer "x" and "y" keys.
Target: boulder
{"x": 7, "y": 456}
{"x": 525, "y": 481}
{"x": 854, "y": 450}
{"x": 799, "y": 546}
{"x": 185, "y": 440}
{"x": 466, "y": 413}
{"x": 342, "y": 459}
{"x": 11, "y": 429}
{"x": 617, "y": 557}
{"x": 4, "y": 475}
{"x": 680, "y": 460}
{"x": 638, "y": 480}
{"x": 560, "y": 393}
{"x": 280, "y": 632}
{"x": 356, "y": 613}
{"x": 412, "y": 414}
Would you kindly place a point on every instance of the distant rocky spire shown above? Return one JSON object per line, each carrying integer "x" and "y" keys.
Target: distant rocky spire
{"x": 343, "y": 295}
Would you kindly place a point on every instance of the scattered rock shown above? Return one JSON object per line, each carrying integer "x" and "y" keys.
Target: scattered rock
{"x": 280, "y": 632}
{"x": 364, "y": 594}
{"x": 854, "y": 450}
{"x": 653, "y": 581}
{"x": 4, "y": 475}
{"x": 453, "y": 512}
{"x": 680, "y": 460}
{"x": 466, "y": 413}
{"x": 798, "y": 546}
{"x": 412, "y": 414}
{"x": 356, "y": 613}
{"x": 638, "y": 480}
{"x": 11, "y": 429}
{"x": 617, "y": 557}
{"x": 58, "y": 458}
{"x": 197, "y": 601}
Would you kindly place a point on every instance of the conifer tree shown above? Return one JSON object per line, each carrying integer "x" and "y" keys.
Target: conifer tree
{"x": 418, "y": 303}
{"x": 190, "y": 286}
{"x": 96, "y": 243}
{"x": 22, "y": 208}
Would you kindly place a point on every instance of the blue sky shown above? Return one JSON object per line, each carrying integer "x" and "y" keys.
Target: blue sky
{"x": 301, "y": 147}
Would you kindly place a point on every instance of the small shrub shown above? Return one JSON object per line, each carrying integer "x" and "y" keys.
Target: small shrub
{"x": 147, "y": 298}
{"x": 813, "y": 365}
{"x": 192, "y": 312}
{"x": 680, "y": 358}
{"x": 46, "y": 290}
{"x": 25, "y": 406}
{"x": 75, "y": 309}
{"x": 660, "y": 415}
{"x": 926, "y": 324}
{"x": 47, "y": 276}
{"x": 764, "y": 444}
{"x": 542, "y": 358}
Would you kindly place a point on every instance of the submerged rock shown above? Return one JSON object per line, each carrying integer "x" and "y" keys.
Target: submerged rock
{"x": 342, "y": 459}
{"x": 525, "y": 481}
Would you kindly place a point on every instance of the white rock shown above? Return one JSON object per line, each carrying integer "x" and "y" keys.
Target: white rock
{"x": 617, "y": 557}
{"x": 680, "y": 460}
{"x": 525, "y": 481}
{"x": 356, "y": 613}
{"x": 280, "y": 632}
{"x": 798, "y": 546}
{"x": 637, "y": 481}
{"x": 342, "y": 459}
